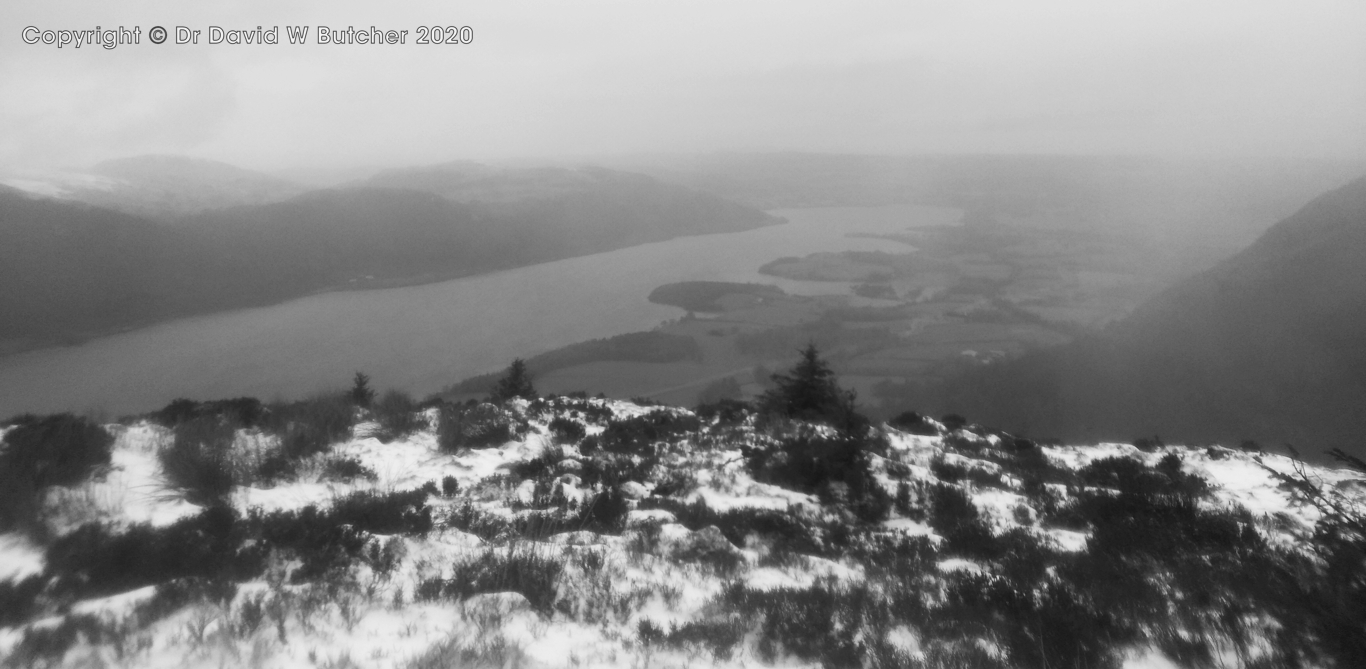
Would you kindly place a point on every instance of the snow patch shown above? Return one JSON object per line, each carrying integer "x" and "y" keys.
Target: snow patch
{"x": 19, "y": 557}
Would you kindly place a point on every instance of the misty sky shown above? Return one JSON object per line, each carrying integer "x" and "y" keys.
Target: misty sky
{"x": 582, "y": 78}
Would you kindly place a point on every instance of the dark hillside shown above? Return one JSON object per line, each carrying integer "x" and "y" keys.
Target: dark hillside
{"x": 67, "y": 269}
{"x": 71, "y": 270}
{"x": 1269, "y": 345}
{"x": 590, "y": 208}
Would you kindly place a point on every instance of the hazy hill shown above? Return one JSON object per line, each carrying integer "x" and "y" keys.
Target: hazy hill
{"x": 1269, "y": 345}
{"x": 1229, "y": 201}
{"x": 603, "y": 208}
{"x": 166, "y": 187}
{"x": 467, "y": 181}
{"x": 71, "y": 269}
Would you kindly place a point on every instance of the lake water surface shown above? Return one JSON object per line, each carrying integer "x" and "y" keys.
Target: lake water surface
{"x": 421, "y": 338}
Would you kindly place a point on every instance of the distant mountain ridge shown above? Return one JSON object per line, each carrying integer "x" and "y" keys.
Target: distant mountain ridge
{"x": 167, "y": 187}
{"x": 574, "y": 198}
{"x": 1270, "y": 345}
{"x": 468, "y": 181}
{"x": 1231, "y": 201}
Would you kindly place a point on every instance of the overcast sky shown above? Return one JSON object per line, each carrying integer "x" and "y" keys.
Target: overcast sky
{"x": 577, "y": 78}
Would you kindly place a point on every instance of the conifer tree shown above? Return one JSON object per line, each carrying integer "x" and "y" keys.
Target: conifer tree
{"x": 361, "y": 395}
{"x": 809, "y": 391}
{"x": 516, "y": 382}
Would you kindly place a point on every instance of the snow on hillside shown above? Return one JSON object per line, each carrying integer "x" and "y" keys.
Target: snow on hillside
{"x": 612, "y": 599}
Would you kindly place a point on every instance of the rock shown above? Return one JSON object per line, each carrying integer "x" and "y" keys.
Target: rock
{"x": 710, "y": 538}
{"x": 526, "y": 492}
{"x": 569, "y": 465}
{"x": 705, "y": 545}
{"x": 634, "y": 490}
{"x": 496, "y": 604}
{"x": 567, "y": 490}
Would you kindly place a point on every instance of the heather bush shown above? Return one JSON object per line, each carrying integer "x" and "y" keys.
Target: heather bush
{"x": 946, "y": 471}
{"x": 913, "y": 423}
{"x": 93, "y": 560}
{"x": 809, "y": 460}
{"x": 544, "y": 464}
{"x": 894, "y": 556}
{"x": 516, "y": 568}
{"x": 638, "y": 434}
{"x": 397, "y": 415}
{"x": 478, "y": 426}
{"x": 953, "y": 422}
{"x": 449, "y": 486}
{"x": 487, "y": 526}
{"x": 566, "y": 430}
{"x": 43, "y": 451}
{"x": 817, "y": 624}
{"x": 404, "y": 512}
{"x": 1053, "y": 626}
{"x": 245, "y": 412}
{"x": 869, "y": 501}
{"x": 954, "y": 517}
{"x": 718, "y": 637}
{"x": 346, "y": 469}
{"x": 198, "y": 461}
{"x": 320, "y": 543}
{"x": 785, "y": 533}
{"x": 276, "y": 467}
{"x": 606, "y": 512}
{"x": 613, "y": 470}
{"x": 311, "y": 426}
{"x": 59, "y": 449}
{"x": 1131, "y": 477}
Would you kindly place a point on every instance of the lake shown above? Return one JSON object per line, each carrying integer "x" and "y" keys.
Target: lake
{"x": 422, "y": 338}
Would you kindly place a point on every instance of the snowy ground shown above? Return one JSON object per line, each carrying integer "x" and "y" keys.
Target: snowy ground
{"x": 376, "y": 620}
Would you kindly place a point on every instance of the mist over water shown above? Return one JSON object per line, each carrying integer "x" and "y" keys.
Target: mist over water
{"x": 421, "y": 338}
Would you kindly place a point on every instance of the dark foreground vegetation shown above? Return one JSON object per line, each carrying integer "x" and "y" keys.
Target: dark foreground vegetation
{"x": 1163, "y": 567}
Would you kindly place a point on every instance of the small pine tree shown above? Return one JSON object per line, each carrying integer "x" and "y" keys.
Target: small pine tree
{"x": 809, "y": 391}
{"x": 515, "y": 383}
{"x": 362, "y": 395}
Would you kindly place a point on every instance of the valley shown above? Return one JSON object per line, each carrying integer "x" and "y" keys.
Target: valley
{"x": 948, "y": 298}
